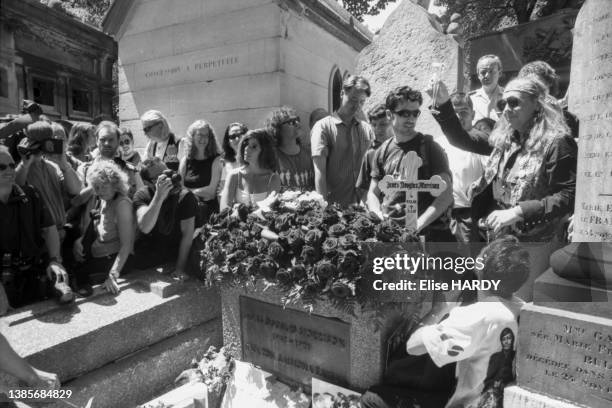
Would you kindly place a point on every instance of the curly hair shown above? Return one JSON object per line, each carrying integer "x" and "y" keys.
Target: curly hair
{"x": 507, "y": 261}
{"x": 211, "y": 149}
{"x": 275, "y": 120}
{"x": 267, "y": 155}
{"x": 229, "y": 154}
{"x": 78, "y": 139}
{"x": 548, "y": 122}
{"x": 402, "y": 93}
{"x": 104, "y": 172}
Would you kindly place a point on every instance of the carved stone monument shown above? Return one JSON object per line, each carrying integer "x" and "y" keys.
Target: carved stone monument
{"x": 565, "y": 339}
{"x": 406, "y": 52}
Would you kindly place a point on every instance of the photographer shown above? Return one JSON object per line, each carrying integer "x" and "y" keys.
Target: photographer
{"x": 45, "y": 166}
{"x": 26, "y": 231}
{"x": 165, "y": 213}
{"x": 14, "y": 131}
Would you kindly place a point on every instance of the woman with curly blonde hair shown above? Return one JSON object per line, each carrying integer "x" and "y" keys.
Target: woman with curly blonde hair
{"x": 201, "y": 168}
{"x": 529, "y": 182}
{"x": 106, "y": 245}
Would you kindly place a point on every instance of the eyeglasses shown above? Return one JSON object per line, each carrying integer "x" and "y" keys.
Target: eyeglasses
{"x": 146, "y": 129}
{"x": 6, "y": 166}
{"x": 291, "y": 121}
{"x": 512, "y": 102}
{"x": 407, "y": 113}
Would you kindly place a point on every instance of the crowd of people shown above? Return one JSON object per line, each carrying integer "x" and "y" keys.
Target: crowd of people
{"x": 79, "y": 206}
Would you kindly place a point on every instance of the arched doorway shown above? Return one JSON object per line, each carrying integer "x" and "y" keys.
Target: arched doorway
{"x": 335, "y": 89}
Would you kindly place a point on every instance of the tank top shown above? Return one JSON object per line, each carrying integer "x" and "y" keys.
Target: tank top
{"x": 244, "y": 197}
{"x": 198, "y": 172}
{"x": 107, "y": 229}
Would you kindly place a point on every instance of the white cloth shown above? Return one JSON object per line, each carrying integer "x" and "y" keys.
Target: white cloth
{"x": 469, "y": 337}
{"x": 485, "y": 107}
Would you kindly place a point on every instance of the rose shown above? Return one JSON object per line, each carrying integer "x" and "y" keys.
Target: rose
{"x": 342, "y": 288}
{"x": 262, "y": 246}
{"x": 251, "y": 248}
{"x": 275, "y": 251}
{"x": 237, "y": 256}
{"x": 223, "y": 235}
{"x": 363, "y": 227}
{"x": 387, "y": 231}
{"x": 283, "y": 276}
{"x": 314, "y": 222}
{"x": 299, "y": 272}
{"x": 217, "y": 256}
{"x": 313, "y": 237}
{"x": 330, "y": 216}
{"x": 253, "y": 265}
{"x": 349, "y": 263}
{"x": 283, "y": 222}
{"x": 304, "y": 206}
{"x": 301, "y": 220}
{"x": 295, "y": 240}
{"x": 336, "y": 230}
{"x": 324, "y": 269}
{"x": 239, "y": 240}
{"x": 310, "y": 289}
{"x": 268, "y": 268}
{"x": 256, "y": 230}
{"x": 348, "y": 241}
{"x": 330, "y": 246}
{"x": 308, "y": 255}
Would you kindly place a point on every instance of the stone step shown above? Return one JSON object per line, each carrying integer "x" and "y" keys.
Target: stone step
{"x": 139, "y": 377}
{"x": 77, "y": 339}
{"x": 517, "y": 397}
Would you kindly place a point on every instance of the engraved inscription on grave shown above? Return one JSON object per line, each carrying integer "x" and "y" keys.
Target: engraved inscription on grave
{"x": 566, "y": 358}
{"x": 294, "y": 345}
{"x": 591, "y": 99}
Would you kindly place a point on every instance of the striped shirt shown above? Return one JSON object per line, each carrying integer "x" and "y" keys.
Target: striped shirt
{"x": 344, "y": 145}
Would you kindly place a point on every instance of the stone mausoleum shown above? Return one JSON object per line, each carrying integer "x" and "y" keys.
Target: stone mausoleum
{"x": 226, "y": 61}
{"x": 47, "y": 56}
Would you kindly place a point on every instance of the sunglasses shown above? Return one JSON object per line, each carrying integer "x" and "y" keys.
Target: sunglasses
{"x": 291, "y": 121}
{"x": 407, "y": 113}
{"x": 512, "y": 102}
{"x": 126, "y": 142}
{"x": 235, "y": 136}
{"x": 6, "y": 166}
{"x": 147, "y": 128}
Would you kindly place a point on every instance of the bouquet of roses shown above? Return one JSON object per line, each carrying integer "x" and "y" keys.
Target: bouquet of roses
{"x": 296, "y": 242}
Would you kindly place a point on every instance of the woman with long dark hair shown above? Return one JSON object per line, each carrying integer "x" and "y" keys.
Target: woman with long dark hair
{"x": 257, "y": 178}
{"x": 231, "y": 144}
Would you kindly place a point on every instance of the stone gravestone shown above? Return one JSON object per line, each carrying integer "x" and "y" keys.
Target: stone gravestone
{"x": 407, "y": 51}
{"x": 562, "y": 354}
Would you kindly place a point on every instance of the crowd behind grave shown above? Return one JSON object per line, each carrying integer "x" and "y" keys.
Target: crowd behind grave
{"x": 80, "y": 206}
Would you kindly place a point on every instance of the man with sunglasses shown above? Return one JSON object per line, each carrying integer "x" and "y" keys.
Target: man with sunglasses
{"x": 339, "y": 143}
{"x": 403, "y": 109}
{"x": 485, "y": 98}
{"x": 29, "y": 242}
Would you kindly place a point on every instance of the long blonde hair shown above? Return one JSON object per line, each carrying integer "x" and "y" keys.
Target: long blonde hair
{"x": 211, "y": 149}
{"x": 547, "y": 123}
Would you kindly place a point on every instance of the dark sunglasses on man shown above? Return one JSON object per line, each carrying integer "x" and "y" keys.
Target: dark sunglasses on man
{"x": 146, "y": 129}
{"x": 407, "y": 113}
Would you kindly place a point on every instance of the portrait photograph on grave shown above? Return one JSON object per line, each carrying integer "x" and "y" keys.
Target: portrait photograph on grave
{"x": 306, "y": 203}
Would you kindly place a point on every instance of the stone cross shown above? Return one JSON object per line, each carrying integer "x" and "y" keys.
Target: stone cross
{"x": 407, "y": 181}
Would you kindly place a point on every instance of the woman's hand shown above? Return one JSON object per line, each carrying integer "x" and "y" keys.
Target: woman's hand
{"x": 111, "y": 285}
{"x": 77, "y": 250}
{"x": 503, "y": 218}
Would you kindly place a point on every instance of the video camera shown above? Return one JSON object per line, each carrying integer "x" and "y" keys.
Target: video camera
{"x": 51, "y": 146}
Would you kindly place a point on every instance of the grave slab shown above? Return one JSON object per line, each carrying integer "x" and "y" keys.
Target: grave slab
{"x": 137, "y": 378}
{"x": 517, "y": 397}
{"x": 551, "y": 290}
{"x": 361, "y": 344}
{"x": 565, "y": 355}
{"x": 72, "y": 340}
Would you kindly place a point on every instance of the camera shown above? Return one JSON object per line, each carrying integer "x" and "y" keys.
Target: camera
{"x": 174, "y": 177}
{"x": 51, "y": 146}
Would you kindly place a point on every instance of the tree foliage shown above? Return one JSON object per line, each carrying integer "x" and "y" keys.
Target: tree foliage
{"x": 360, "y": 8}
{"x": 479, "y": 16}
